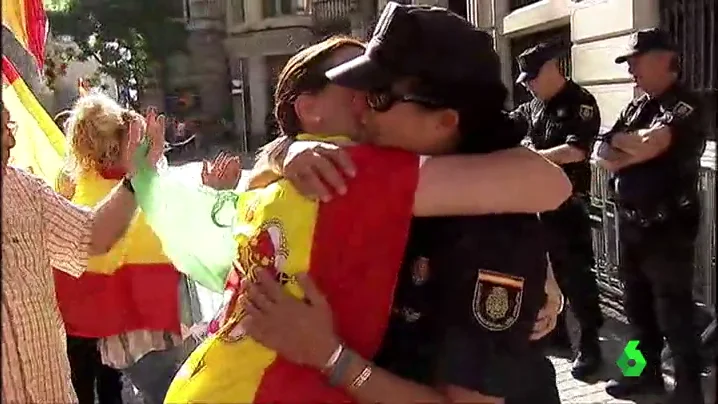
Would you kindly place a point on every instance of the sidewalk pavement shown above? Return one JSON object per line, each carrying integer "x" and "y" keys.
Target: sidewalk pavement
{"x": 613, "y": 340}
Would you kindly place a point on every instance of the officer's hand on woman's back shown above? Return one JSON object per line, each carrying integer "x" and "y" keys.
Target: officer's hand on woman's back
{"x": 311, "y": 166}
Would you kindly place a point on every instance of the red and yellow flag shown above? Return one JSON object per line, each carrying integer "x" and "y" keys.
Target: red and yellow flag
{"x": 134, "y": 286}
{"x": 40, "y": 145}
{"x": 352, "y": 247}
{"x": 27, "y": 20}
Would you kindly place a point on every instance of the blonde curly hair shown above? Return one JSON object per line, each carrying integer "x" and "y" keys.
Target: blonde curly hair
{"x": 96, "y": 129}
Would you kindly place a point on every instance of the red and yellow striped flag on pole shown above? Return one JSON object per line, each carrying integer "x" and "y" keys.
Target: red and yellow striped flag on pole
{"x": 40, "y": 145}
{"x": 27, "y": 20}
{"x": 352, "y": 248}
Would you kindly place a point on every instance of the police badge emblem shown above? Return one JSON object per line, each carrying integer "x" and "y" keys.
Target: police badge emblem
{"x": 681, "y": 109}
{"x": 420, "y": 271}
{"x": 497, "y": 299}
{"x": 586, "y": 112}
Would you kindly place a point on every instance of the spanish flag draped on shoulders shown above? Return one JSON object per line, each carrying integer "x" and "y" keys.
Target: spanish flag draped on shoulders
{"x": 134, "y": 286}
{"x": 352, "y": 247}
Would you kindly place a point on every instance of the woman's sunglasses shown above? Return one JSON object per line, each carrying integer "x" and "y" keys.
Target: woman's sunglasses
{"x": 382, "y": 101}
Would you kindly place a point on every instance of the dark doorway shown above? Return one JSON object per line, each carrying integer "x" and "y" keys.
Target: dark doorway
{"x": 459, "y": 7}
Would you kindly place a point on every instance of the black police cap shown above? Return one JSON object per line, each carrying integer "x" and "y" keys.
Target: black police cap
{"x": 532, "y": 59}
{"x": 429, "y": 43}
{"x": 646, "y": 41}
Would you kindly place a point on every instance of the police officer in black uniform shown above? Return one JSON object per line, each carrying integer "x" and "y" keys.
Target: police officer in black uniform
{"x": 470, "y": 288}
{"x": 562, "y": 123}
{"x": 654, "y": 151}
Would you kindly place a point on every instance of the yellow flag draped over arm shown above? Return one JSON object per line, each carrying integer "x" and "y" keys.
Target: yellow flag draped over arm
{"x": 40, "y": 145}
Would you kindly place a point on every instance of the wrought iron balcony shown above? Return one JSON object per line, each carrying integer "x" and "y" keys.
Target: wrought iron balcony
{"x": 333, "y": 16}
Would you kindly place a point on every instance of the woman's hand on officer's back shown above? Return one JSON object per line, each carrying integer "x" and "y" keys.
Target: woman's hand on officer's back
{"x": 318, "y": 170}
{"x": 300, "y": 330}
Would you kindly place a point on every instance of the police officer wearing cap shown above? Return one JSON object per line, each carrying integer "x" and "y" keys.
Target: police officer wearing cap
{"x": 653, "y": 152}
{"x": 562, "y": 122}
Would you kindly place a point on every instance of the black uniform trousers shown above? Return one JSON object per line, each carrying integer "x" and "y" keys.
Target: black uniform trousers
{"x": 657, "y": 268}
{"x": 572, "y": 259}
{"x": 87, "y": 370}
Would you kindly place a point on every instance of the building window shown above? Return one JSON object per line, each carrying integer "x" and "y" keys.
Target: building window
{"x": 275, "y": 8}
{"x": 237, "y": 11}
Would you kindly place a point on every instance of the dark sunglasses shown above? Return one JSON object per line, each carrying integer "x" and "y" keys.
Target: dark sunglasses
{"x": 382, "y": 101}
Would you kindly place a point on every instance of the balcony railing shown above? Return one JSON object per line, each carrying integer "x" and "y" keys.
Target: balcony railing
{"x": 333, "y": 16}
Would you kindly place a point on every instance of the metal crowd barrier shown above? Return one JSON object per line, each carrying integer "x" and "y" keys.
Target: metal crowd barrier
{"x": 605, "y": 235}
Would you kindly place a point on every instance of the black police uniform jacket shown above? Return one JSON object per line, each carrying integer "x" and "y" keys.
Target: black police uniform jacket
{"x": 672, "y": 177}
{"x": 469, "y": 292}
{"x": 570, "y": 117}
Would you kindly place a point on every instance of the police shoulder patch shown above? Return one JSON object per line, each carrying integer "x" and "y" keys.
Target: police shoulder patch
{"x": 497, "y": 299}
{"x": 682, "y": 109}
{"x": 586, "y": 112}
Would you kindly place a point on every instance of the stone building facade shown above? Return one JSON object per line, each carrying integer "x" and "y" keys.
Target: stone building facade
{"x": 237, "y": 46}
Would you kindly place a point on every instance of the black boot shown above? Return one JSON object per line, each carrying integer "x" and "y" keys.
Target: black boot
{"x": 650, "y": 382}
{"x": 589, "y": 359}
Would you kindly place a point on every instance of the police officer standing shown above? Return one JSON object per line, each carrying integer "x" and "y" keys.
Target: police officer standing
{"x": 562, "y": 122}
{"x": 654, "y": 152}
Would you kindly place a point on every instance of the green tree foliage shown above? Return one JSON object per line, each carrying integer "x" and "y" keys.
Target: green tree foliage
{"x": 126, "y": 37}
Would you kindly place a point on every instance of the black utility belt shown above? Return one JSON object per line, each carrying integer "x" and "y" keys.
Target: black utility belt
{"x": 646, "y": 216}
